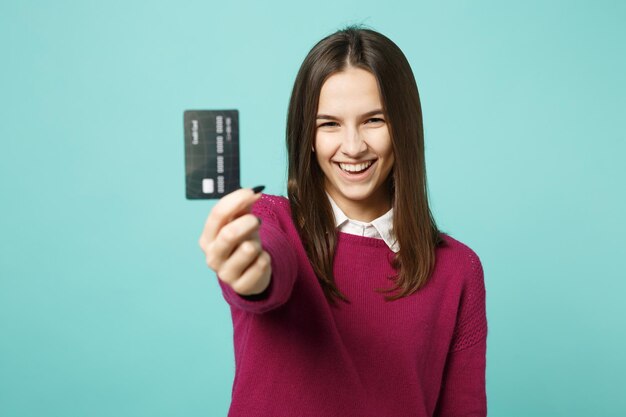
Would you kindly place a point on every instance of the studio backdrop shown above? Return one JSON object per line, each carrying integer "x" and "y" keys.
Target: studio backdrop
{"x": 107, "y": 307}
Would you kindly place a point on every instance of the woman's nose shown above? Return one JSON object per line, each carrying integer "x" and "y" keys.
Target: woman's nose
{"x": 353, "y": 143}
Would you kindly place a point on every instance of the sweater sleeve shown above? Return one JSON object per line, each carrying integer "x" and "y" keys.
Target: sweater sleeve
{"x": 463, "y": 391}
{"x": 275, "y": 242}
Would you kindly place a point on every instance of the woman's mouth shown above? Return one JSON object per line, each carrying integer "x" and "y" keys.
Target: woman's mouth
{"x": 356, "y": 168}
{"x": 356, "y": 171}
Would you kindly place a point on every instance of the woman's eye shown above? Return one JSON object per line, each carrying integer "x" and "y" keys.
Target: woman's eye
{"x": 332, "y": 124}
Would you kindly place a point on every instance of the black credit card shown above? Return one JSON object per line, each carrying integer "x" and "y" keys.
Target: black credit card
{"x": 211, "y": 153}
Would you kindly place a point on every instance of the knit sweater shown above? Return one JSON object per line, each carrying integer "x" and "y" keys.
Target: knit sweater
{"x": 297, "y": 355}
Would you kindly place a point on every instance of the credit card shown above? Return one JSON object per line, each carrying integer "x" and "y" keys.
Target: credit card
{"x": 211, "y": 153}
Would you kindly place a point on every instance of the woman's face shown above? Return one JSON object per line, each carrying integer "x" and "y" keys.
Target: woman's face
{"x": 353, "y": 145}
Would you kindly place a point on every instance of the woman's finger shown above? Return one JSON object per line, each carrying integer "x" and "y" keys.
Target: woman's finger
{"x": 235, "y": 265}
{"x": 256, "y": 277}
{"x": 226, "y": 209}
{"x": 229, "y": 238}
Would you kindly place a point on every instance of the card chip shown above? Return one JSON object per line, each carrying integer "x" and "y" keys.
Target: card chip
{"x": 208, "y": 186}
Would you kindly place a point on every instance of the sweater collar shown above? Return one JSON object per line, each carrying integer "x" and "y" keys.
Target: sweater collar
{"x": 381, "y": 227}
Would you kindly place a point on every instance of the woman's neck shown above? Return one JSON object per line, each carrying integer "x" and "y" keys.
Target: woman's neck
{"x": 365, "y": 210}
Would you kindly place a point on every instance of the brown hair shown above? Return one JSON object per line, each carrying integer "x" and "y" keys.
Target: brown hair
{"x": 413, "y": 223}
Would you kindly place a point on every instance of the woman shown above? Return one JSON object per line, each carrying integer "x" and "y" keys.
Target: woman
{"x": 347, "y": 300}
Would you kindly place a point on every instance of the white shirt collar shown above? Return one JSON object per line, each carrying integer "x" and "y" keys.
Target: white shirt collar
{"x": 380, "y": 228}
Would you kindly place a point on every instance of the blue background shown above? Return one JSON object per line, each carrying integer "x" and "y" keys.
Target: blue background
{"x": 106, "y": 305}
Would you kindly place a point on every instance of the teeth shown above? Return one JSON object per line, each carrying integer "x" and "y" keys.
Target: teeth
{"x": 355, "y": 167}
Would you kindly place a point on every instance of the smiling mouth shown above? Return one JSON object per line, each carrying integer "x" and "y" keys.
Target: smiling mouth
{"x": 355, "y": 168}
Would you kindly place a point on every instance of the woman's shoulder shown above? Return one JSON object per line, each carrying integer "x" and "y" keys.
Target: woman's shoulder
{"x": 272, "y": 206}
{"x": 273, "y": 201}
{"x": 460, "y": 254}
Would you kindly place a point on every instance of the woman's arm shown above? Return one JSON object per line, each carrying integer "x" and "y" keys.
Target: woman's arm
{"x": 283, "y": 262}
{"x": 463, "y": 385}
{"x": 463, "y": 391}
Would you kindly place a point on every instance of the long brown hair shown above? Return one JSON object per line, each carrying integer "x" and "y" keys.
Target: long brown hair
{"x": 413, "y": 223}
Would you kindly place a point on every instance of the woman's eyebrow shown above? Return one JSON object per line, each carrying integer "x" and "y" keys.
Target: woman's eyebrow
{"x": 369, "y": 113}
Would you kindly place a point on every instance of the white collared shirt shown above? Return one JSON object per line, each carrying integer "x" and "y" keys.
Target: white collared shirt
{"x": 380, "y": 228}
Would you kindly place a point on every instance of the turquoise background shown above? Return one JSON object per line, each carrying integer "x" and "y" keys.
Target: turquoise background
{"x": 106, "y": 305}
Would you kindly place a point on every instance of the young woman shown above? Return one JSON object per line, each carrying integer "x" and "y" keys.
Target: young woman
{"x": 346, "y": 299}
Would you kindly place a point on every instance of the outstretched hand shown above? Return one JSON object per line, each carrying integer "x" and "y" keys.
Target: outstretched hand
{"x": 231, "y": 244}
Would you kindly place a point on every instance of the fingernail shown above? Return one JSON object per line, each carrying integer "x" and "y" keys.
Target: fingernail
{"x": 258, "y": 189}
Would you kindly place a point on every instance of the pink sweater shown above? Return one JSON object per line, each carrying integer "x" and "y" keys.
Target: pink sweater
{"x": 296, "y": 355}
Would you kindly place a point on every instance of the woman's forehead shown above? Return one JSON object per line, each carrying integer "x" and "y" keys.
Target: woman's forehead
{"x": 350, "y": 91}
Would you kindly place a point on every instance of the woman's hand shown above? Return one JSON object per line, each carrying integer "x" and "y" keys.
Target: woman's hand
{"x": 231, "y": 244}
